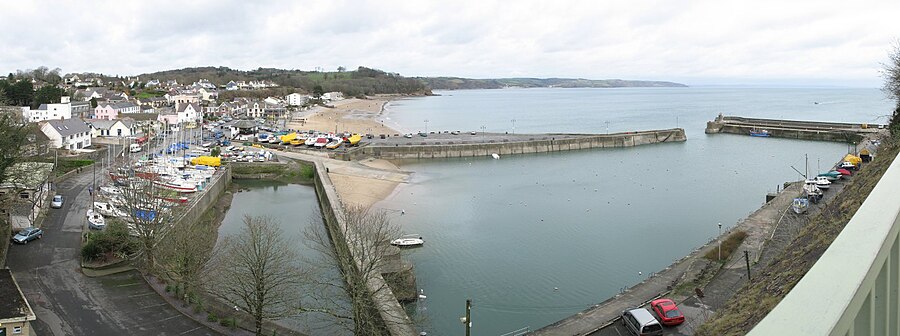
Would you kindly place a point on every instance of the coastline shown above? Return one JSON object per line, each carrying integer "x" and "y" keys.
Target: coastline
{"x": 363, "y": 116}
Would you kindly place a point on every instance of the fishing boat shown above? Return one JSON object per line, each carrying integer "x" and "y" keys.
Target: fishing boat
{"x": 847, "y": 165}
{"x": 320, "y": 142}
{"x": 111, "y": 190}
{"x": 408, "y": 240}
{"x": 177, "y": 185}
{"x": 844, "y": 172}
{"x": 831, "y": 175}
{"x": 354, "y": 139}
{"x": 108, "y": 210}
{"x": 96, "y": 221}
{"x": 800, "y": 205}
{"x": 311, "y": 140}
{"x": 495, "y": 156}
{"x": 812, "y": 192}
{"x": 334, "y": 144}
{"x": 822, "y": 182}
{"x": 759, "y": 133}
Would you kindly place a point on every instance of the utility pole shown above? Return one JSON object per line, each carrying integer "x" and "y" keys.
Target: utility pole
{"x": 468, "y": 319}
{"x": 720, "y": 241}
{"x": 747, "y": 258}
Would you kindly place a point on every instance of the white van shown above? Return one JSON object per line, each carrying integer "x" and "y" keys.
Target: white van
{"x": 134, "y": 148}
{"x": 640, "y": 322}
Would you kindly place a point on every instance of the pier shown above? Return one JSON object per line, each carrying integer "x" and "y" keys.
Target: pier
{"x": 793, "y": 129}
{"x": 442, "y": 145}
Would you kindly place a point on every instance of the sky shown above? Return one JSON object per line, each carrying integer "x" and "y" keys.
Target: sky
{"x": 759, "y": 42}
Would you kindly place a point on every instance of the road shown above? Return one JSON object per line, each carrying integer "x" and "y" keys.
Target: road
{"x": 67, "y": 302}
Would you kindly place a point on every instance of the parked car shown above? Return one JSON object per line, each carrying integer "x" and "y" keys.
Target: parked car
{"x": 640, "y": 322}
{"x": 28, "y": 234}
{"x": 57, "y": 202}
{"x": 407, "y": 135}
{"x": 667, "y": 311}
{"x": 473, "y": 133}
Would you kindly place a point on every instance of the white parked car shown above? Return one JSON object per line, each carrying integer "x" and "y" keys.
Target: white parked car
{"x": 57, "y": 202}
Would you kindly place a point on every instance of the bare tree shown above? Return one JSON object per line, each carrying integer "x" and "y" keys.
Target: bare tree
{"x": 368, "y": 234}
{"x": 257, "y": 271}
{"x": 891, "y": 74}
{"x": 152, "y": 212}
{"x": 185, "y": 255}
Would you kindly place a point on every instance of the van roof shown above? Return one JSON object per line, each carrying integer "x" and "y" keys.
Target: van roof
{"x": 642, "y": 316}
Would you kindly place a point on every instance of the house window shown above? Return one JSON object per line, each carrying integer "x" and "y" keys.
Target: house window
{"x": 23, "y": 195}
{"x": 17, "y": 330}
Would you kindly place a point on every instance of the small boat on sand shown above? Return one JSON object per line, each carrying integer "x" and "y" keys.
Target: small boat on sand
{"x": 800, "y": 205}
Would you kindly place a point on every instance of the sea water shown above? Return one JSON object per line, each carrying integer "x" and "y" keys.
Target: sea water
{"x": 534, "y": 238}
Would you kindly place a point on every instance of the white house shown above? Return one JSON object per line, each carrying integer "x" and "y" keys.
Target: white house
{"x": 296, "y": 99}
{"x": 67, "y": 134}
{"x": 332, "y": 96}
{"x": 111, "y": 128}
{"x": 183, "y": 113}
{"x": 49, "y": 111}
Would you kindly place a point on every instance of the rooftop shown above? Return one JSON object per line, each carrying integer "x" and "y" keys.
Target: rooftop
{"x": 13, "y": 306}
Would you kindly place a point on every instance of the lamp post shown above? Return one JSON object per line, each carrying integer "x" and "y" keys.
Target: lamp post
{"x": 426, "y": 126}
{"x": 607, "y": 128}
{"x": 514, "y": 126}
{"x": 483, "y": 128}
{"x": 720, "y": 242}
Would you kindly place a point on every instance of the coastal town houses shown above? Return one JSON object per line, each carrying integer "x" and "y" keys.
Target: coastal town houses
{"x": 15, "y": 312}
{"x": 153, "y": 101}
{"x": 333, "y": 96}
{"x": 110, "y": 111}
{"x": 296, "y": 99}
{"x": 112, "y": 128}
{"x": 232, "y": 86}
{"x": 36, "y": 142}
{"x": 81, "y": 109}
{"x": 151, "y": 84}
{"x": 67, "y": 134}
{"x": 62, "y": 110}
{"x": 25, "y": 192}
{"x": 177, "y": 97}
{"x": 183, "y": 113}
{"x": 99, "y": 93}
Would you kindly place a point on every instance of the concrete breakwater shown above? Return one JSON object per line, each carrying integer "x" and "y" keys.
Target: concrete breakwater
{"x": 793, "y": 129}
{"x": 392, "y": 313}
{"x": 537, "y": 143}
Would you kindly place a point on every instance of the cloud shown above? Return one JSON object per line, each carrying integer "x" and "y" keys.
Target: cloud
{"x": 701, "y": 41}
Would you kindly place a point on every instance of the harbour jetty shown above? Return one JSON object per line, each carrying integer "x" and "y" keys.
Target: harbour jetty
{"x": 440, "y": 145}
{"x": 793, "y": 129}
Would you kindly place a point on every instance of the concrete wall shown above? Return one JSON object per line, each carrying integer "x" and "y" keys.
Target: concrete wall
{"x": 627, "y": 139}
{"x": 392, "y": 313}
{"x": 854, "y": 287}
{"x": 792, "y": 129}
{"x": 211, "y": 193}
{"x": 820, "y": 135}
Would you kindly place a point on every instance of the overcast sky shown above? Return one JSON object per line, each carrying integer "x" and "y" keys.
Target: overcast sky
{"x": 827, "y": 42}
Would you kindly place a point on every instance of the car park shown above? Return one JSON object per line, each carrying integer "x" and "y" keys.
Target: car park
{"x": 57, "y": 202}
{"x": 667, "y": 312}
{"x": 28, "y": 234}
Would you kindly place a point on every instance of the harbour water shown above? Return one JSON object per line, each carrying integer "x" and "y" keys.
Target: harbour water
{"x": 295, "y": 209}
{"x": 534, "y": 238}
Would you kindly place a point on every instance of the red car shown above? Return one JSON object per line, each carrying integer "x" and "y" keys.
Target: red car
{"x": 667, "y": 311}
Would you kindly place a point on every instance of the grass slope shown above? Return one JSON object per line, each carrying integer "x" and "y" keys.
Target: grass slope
{"x": 753, "y": 301}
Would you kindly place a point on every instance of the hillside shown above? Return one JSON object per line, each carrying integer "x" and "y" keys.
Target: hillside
{"x": 753, "y": 301}
{"x": 456, "y": 83}
{"x": 362, "y": 81}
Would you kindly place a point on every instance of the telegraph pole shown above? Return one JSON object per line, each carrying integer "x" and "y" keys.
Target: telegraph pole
{"x": 720, "y": 241}
{"x": 467, "y": 320}
{"x": 747, "y": 258}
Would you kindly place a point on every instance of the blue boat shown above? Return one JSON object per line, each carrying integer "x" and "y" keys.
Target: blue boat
{"x": 759, "y": 133}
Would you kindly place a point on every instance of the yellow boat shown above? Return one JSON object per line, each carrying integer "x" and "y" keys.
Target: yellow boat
{"x": 855, "y": 160}
{"x": 287, "y": 138}
{"x": 297, "y": 142}
{"x": 207, "y": 161}
{"x": 354, "y": 139}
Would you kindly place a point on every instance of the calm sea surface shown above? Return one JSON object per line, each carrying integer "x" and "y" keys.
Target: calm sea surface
{"x": 534, "y": 238}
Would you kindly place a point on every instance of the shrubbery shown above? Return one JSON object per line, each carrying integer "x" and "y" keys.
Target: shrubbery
{"x": 112, "y": 241}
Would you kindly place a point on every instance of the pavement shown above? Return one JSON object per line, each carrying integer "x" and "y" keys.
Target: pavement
{"x": 67, "y": 302}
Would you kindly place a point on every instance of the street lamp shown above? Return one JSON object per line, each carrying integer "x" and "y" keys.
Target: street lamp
{"x": 483, "y": 128}
{"x": 720, "y": 242}
{"x": 514, "y": 126}
{"x": 607, "y": 128}
{"x": 426, "y": 126}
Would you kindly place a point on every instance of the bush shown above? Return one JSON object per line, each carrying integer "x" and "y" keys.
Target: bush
{"x": 228, "y": 322}
{"x": 211, "y": 317}
{"x": 308, "y": 172}
{"x": 729, "y": 245}
{"x": 113, "y": 240}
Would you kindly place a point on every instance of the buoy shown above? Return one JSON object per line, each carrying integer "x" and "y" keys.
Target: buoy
{"x": 402, "y": 211}
{"x": 555, "y": 288}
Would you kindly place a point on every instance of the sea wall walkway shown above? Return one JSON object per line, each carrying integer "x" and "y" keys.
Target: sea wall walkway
{"x": 793, "y": 129}
{"x": 506, "y": 144}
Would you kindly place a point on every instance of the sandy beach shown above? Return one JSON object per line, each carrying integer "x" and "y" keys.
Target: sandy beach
{"x": 349, "y": 115}
{"x": 363, "y": 186}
